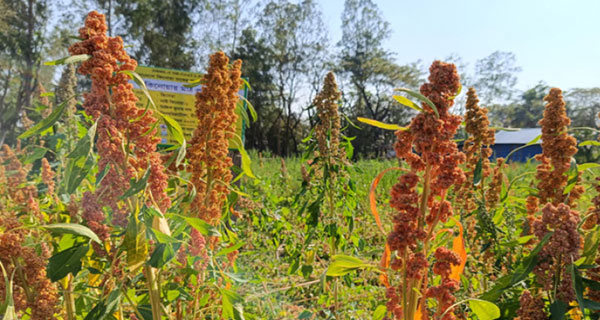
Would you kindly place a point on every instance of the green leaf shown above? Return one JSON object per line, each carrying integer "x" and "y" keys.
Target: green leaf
{"x": 85, "y": 145}
{"x": 74, "y": 229}
{"x": 65, "y": 262}
{"x": 104, "y": 309}
{"x": 577, "y": 286}
{"x": 406, "y": 102}
{"x": 505, "y": 129}
{"x": 77, "y": 170}
{"x": 460, "y": 87}
{"x": 163, "y": 253}
{"x": 140, "y": 82}
{"x": 181, "y": 152}
{"x": 420, "y": 97}
{"x": 477, "y": 173}
{"x": 232, "y": 307}
{"x": 534, "y": 141}
{"x": 45, "y": 123}
{"x": 251, "y": 109}
{"x": 484, "y": 310}
{"x": 163, "y": 237}
{"x": 246, "y": 162}
{"x": 202, "y": 226}
{"x": 380, "y": 312}
{"x": 520, "y": 274}
{"x": 342, "y": 265}
{"x": 194, "y": 83}
{"x": 135, "y": 242}
{"x": 137, "y": 185}
{"x": 592, "y": 305}
{"x": 586, "y": 166}
{"x": 7, "y": 309}
{"x": 37, "y": 153}
{"x": 558, "y": 310}
{"x": 589, "y": 143}
{"x": 305, "y": 315}
{"x": 69, "y": 60}
{"x": 590, "y": 246}
{"x": 382, "y": 125}
{"x": 174, "y": 129}
{"x": 231, "y": 249}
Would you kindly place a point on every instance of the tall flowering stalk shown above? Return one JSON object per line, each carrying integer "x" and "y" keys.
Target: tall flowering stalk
{"x": 558, "y": 148}
{"x": 327, "y": 131}
{"x": 209, "y": 163}
{"x": 65, "y": 92}
{"x": 480, "y": 192}
{"x": 126, "y": 143}
{"x": 477, "y": 150}
{"x": 330, "y": 156}
{"x": 563, "y": 247}
{"x": 428, "y": 148}
{"x": 126, "y": 139}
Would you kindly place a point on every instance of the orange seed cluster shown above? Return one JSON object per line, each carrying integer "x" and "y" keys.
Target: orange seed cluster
{"x": 126, "y": 139}
{"x": 428, "y": 147}
{"x": 209, "y": 162}
{"x": 476, "y": 147}
{"x": 558, "y": 148}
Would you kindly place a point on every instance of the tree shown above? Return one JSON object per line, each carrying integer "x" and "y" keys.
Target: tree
{"x": 495, "y": 77}
{"x": 160, "y": 31}
{"x": 21, "y": 46}
{"x": 256, "y": 68}
{"x": 583, "y": 107}
{"x": 523, "y": 113}
{"x": 221, "y": 23}
{"x": 295, "y": 35}
{"x": 371, "y": 73}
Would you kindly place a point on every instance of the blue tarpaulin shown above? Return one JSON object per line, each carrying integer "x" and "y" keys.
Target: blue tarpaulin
{"x": 506, "y": 141}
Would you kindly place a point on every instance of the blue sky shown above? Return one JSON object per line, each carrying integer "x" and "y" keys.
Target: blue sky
{"x": 557, "y": 41}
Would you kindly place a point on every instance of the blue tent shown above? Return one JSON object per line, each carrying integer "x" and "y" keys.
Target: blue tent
{"x": 506, "y": 141}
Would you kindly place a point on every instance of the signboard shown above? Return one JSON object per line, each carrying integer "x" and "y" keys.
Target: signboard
{"x": 171, "y": 97}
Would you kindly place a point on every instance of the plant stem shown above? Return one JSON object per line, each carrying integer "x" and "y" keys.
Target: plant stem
{"x": 153, "y": 292}
{"x": 69, "y": 299}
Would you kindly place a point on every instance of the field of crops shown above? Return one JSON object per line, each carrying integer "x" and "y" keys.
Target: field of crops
{"x": 97, "y": 221}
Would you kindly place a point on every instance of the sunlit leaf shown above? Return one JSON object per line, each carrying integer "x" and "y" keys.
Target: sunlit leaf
{"x": 406, "y": 102}
{"x": 73, "y": 228}
{"x": 420, "y": 97}
{"x": 458, "y": 247}
{"x": 532, "y": 142}
{"x": 589, "y": 143}
{"x": 380, "y": 312}
{"x": 135, "y": 243}
{"x": 69, "y": 60}
{"x": 385, "y": 264}
{"x": 202, "y": 226}
{"x": 232, "y": 307}
{"x": 380, "y": 124}
{"x": 246, "y": 161}
{"x": 484, "y": 310}
{"x": 7, "y": 309}
{"x": 140, "y": 82}
{"x": 342, "y": 264}
{"x": 45, "y": 123}
{"x": 137, "y": 185}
